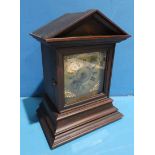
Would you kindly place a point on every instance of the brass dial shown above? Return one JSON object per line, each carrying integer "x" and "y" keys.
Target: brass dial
{"x": 83, "y": 75}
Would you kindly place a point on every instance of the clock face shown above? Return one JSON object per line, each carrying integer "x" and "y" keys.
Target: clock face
{"x": 83, "y": 76}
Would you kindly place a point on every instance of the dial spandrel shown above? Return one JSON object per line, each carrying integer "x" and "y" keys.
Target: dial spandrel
{"x": 83, "y": 75}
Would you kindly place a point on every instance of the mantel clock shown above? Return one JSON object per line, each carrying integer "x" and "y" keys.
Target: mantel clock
{"x": 77, "y": 55}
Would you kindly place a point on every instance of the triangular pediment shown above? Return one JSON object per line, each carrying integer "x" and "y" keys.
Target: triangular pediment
{"x": 82, "y": 24}
{"x": 88, "y": 27}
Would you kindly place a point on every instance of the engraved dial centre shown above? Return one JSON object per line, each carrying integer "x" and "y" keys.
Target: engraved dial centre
{"x": 83, "y": 75}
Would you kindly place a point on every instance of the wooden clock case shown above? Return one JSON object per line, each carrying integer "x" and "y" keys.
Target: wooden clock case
{"x": 75, "y": 33}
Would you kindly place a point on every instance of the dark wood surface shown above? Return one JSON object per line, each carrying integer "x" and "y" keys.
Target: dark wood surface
{"x": 108, "y": 38}
{"x": 77, "y": 50}
{"x": 53, "y": 69}
{"x": 67, "y": 22}
{"x": 62, "y": 127}
{"x": 62, "y": 123}
{"x": 74, "y": 33}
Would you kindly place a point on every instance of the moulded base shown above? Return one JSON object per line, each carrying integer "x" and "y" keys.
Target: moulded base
{"x": 63, "y": 127}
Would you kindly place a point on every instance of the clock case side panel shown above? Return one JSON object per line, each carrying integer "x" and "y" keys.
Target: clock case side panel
{"x": 64, "y": 51}
{"x": 74, "y": 121}
{"x": 49, "y": 61}
{"x": 108, "y": 69}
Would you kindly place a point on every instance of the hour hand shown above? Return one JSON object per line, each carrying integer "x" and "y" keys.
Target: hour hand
{"x": 75, "y": 85}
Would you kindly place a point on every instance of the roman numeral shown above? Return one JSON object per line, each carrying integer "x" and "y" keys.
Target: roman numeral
{"x": 92, "y": 78}
{"x": 94, "y": 73}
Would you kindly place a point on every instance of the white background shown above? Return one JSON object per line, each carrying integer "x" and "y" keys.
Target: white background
{"x": 144, "y": 77}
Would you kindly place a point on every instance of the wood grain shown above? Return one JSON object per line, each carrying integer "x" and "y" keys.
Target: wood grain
{"x": 75, "y": 33}
{"x": 116, "y": 38}
{"x": 57, "y": 139}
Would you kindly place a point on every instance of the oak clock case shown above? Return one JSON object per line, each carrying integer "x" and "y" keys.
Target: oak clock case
{"x": 77, "y": 54}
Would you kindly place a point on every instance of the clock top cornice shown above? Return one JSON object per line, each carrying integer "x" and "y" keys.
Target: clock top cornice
{"x": 88, "y": 25}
